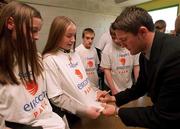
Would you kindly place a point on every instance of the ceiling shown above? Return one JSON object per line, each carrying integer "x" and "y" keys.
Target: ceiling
{"x": 111, "y": 7}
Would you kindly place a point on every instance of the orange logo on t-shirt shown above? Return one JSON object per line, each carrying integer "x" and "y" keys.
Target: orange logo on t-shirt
{"x": 78, "y": 73}
{"x": 31, "y": 87}
{"x": 122, "y": 60}
{"x": 90, "y": 63}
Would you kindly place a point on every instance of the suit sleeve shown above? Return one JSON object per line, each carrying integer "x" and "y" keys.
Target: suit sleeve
{"x": 167, "y": 102}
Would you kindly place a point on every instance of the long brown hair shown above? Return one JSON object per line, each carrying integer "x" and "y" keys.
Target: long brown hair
{"x": 21, "y": 51}
{"x": 56, "y": 34}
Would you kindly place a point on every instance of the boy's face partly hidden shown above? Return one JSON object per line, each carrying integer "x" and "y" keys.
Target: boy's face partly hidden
{"x": 115, "y": 40}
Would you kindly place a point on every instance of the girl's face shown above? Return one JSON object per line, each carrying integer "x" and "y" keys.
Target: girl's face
{"x": 37, "y": 23}
{"x": 69, "y": 37}
{"x": 36, "y": 27}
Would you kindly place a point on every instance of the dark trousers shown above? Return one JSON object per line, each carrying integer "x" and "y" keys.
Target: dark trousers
{"x": 14, "y": 125}
{"x": 71, "y": 118}
{"x": 145, "y": 117}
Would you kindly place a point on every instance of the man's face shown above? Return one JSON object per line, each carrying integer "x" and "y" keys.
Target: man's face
{"x": 88, "y": 39}
{"x": 134, "y": 43}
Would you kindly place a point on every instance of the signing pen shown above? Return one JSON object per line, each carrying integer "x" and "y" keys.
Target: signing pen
{"x": 107, "y": 92}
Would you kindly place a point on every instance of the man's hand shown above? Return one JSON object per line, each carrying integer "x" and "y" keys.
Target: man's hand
{"x": 109, "y": 110}
{"x": 103, "y": 96}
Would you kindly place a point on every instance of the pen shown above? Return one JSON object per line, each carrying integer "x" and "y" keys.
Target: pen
{"x": 107, "y": 92}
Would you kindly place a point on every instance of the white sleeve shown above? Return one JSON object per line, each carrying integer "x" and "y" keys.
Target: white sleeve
{"x": 105, "y": 59}
{"x": 53, "y": 82}
{"x": 136, "y": 59}
{"x": 2, "y": 124}
{"x": 65, "y": 102}
{"x": 3, "y": 103}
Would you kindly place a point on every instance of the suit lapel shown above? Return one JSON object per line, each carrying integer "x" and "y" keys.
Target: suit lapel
{"x": 153, "y": 66}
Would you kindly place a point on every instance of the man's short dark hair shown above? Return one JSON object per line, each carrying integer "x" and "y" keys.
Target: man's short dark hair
{"x": 132, "y": 18}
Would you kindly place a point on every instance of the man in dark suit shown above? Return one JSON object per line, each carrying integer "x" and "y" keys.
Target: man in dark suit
{"x": 177, "y": 26}
{"x": 159, "y": 75}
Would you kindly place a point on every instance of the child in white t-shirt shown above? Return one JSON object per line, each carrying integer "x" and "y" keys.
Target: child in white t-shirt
{"x": 88, "y": 55}
{"x": 23, "y": 91}
{"x": 67, "y": 72}
{"x": 119, "y": 65}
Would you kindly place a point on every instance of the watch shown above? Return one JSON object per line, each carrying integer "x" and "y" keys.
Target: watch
{"x": 116, "y": 111}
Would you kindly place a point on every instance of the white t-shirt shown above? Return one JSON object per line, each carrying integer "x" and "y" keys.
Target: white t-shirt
{"x": 56, "y": 81}
{"x": 103, "y": 41}
{"x": 68, "y": 74}
{"x": 28, "y": 104}
{"x": 121, "y": 63}
{"x": 90, "y": 61}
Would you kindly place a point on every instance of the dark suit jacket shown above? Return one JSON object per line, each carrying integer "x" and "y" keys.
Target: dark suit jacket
{"x": 160, "y": 78}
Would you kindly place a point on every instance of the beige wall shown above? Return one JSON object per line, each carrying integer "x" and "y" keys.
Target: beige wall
{"x": 99, "y": 22}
